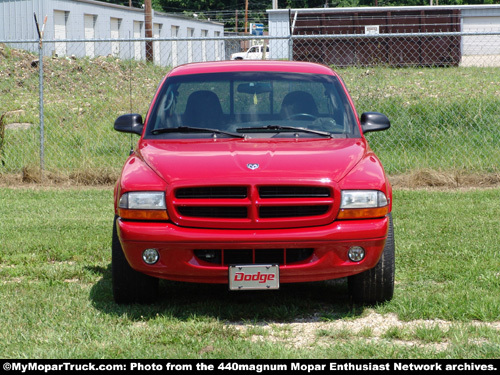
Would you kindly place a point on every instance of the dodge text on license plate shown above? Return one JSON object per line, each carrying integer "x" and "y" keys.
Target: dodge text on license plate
{"x": 246, "y": 277}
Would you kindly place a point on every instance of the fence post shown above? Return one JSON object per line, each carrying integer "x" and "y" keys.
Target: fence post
{"x": 41, "y": 112}
{"x": 290, "y": 41}
{"x": 40, "y": 91}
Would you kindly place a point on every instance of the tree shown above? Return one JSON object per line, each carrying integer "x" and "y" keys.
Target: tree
{"x": 180, "y": 6}
{"x": 136, "y": 3}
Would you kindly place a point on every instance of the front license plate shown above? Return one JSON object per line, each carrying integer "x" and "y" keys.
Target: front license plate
{"x": 251, "y": 277}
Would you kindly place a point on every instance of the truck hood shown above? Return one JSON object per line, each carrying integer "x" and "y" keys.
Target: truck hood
{"x": 233, "y": 161}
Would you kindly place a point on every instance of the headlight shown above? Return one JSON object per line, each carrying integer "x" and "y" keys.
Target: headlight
{"x": 143, "y": 205}
{"x": 144, "y": 200}
{"x": 363, "y": 204}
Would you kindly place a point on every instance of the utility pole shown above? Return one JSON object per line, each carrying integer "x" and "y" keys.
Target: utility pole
{"x": 246, "y": 16}
{"x": 148, "y": 18}
{"x": 236, "y": 22}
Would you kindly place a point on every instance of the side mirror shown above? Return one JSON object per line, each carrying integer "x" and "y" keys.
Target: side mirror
{"x": 374, "y": 121}
{"x": 131, "y": 123}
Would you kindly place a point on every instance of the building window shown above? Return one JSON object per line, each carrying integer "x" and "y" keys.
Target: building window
{"x": 190, "y": 34}
{"x": 175, "y": 34}
{"x": 217, "y": 46}
{"x": 60, "y": 31}
{"x": 115, "y": 24}
{"x": 157, "y": 27}
{"x": 89, "y": 21}
{"x": 137, "y": 35}
{"x": 204, "y": 34}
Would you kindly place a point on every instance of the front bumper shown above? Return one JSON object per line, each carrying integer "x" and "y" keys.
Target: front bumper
{"x": 178, "y": 262}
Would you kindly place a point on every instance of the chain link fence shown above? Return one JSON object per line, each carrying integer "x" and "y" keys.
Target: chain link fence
{"x": 58, "y": 112}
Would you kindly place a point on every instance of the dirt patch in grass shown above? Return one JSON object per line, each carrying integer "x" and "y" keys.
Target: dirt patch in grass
{"x": 34, "y": 177}
{"x": 371, "y": 327}
{"x": 427, "y": 178}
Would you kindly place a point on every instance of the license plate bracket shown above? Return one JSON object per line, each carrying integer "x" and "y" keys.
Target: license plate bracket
{"x": 254, "y": 277}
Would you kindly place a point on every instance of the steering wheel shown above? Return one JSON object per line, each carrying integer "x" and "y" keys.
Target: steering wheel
{"x": 304, "y": 116}
{"x": 169, "y": 101}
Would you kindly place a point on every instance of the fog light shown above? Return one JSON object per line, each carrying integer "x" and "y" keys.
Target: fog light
{"x": 150, "y": 256}
{"x": 356, "y": 253}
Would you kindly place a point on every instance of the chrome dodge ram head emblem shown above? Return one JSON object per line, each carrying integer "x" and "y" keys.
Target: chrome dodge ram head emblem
{"x": 252, "y": 166}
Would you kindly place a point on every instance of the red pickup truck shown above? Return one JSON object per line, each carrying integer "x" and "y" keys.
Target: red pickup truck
{"x": 252, "y": 174}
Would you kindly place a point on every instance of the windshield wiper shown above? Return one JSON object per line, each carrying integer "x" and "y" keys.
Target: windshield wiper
{"x": 279, "y": 128}
{"x": 191, "y": 129}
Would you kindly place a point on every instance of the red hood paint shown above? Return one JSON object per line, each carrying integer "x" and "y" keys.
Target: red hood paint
{"x": 252, "y": 66}
{"x": 225, "y": 161}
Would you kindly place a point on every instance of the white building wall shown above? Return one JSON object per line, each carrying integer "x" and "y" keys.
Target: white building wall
{"x": 481, "y": 50}
{"x": 16, "y": 23}
{"x": 279, "y": 26}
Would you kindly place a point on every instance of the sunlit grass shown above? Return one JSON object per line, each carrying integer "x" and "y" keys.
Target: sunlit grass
{"x": 57, "y": 301}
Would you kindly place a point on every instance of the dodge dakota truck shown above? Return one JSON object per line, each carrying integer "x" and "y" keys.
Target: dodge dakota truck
{"x": 252, "y": 174}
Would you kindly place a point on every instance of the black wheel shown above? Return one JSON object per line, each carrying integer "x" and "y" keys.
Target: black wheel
{"x": 129, "y": 286}
{"x": 376, "y": 284}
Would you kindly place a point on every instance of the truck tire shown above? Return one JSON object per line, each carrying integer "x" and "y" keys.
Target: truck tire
{"x": 129, "y": 286}
{"x": 377, "y": 284}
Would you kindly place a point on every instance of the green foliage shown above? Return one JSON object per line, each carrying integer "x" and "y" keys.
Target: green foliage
{"x": 261, "y": 5}
{"x": 224, "y": 11}
{"x": 135, "y": 3}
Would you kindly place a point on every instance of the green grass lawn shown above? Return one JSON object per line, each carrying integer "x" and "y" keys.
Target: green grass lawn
{"x": 57, "y": 301}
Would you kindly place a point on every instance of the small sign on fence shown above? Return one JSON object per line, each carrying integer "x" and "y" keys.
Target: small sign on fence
{"x": 257, "y": 28}
{"x": 372, "y": 30}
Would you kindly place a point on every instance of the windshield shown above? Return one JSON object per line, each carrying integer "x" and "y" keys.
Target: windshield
{"x": 252, "y": 104}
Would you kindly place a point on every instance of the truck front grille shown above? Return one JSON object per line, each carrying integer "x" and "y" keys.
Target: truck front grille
{"x": 254, "y": 256}
{"x": 252, "y": 206}
{"x": 214, "y": 212}
{"x": 293, "y": 192}
{"x": 291, "y": 211}
{"x": 212, "y": 192}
